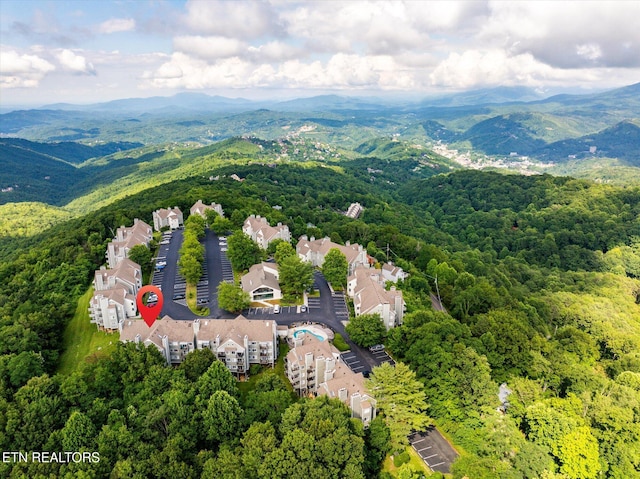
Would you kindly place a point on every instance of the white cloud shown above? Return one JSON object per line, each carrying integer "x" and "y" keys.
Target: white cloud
{"x": 476, "y": 69}
{"x": 22, "y": 70}
{"x": 233, "y": 19}
{"x": 274, "y": 51}
{"x": 341, "y": 71}
{"x": 556, "y": 32}
{"x": 590, "y": 51}
{"x": 74, "y": 63}
{"x": 115, "y": 25}
{"x": 211, "y": 47}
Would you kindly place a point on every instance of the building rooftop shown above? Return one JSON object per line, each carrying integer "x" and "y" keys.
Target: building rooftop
{"x": 235, "y": 329}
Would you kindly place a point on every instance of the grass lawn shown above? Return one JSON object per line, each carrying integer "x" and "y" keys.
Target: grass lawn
{"x": 191, "y": 301}
{"x": 416, "y": 461}
{"x": 82, "y": 339}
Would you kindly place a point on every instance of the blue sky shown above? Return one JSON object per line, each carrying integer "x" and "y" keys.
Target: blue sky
{"x": 90, "y": 51}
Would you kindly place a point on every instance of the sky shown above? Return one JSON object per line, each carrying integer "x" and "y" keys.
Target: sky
{"x": 91, "y": 51}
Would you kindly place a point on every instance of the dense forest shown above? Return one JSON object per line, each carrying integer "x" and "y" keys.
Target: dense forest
{"x": 540, "y": 277}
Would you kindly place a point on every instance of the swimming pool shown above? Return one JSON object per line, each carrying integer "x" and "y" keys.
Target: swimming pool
{"x": 316, "y": 333}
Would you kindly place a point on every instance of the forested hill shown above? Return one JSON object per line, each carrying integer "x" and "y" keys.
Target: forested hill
{"x": 540, "y": 276}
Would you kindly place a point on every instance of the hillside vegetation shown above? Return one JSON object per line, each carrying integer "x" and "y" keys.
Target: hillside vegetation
{"x": 541, "y": 276}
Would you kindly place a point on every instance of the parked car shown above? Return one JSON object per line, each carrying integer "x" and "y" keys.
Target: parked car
{"x": 203, "y": 301}
{"x": 376, "y": 348}
{"x": 366, "y": 374}
{"x": 179, "y": 296}
{"x": 276, "y": 309}
{"x": 303, "y": 308}
{"x": 222, "y": 238}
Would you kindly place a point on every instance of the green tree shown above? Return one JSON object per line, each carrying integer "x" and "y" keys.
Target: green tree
{"x": 578, "y": 452}
{"x": 196, "y": 224}
{"x": 222, "y": 417}
{"x": 210, "y": 216}
{"x": 142, "y": 255}
{"x": 283, "y": 250}
{"x": 402, "y": 400}
{"x": 243, "y": 252}
{"x": 220, "y": 225}
{"x": 377, "y": 439}
{"x": 232, "y": 298}
{"x": 366, "y": 330}
{"x": 196, "y": 363}
{"x": 335, "y": 268}
{"x": 24, "y": 366}
{"x": 190, "y": 268}
{"x": 295, "y": 276}
{"x": 78, "y": 434}
{"x": 216, "y": 378}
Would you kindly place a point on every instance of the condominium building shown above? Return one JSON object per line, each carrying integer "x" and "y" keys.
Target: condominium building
{"x": 354, "y": 211}
{"x": 238, "y": 343}
{"x": 167, "y": 217}
{"x": 366, "y": 287}
{"x": 314, "y": 250}
{"x": 114, "y": 298}
{"x": 309, "y": 363}
{"x": 199, "y": 208}
{"x": 314, "y": 368}
{"x": 174, "y": 339}
{"x": 259, "y": 230}
{"x": 126, "y": 238}
{"x": 349, "y": 387}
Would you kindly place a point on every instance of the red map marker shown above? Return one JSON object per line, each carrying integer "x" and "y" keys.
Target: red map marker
{"x": 149, "y": 313}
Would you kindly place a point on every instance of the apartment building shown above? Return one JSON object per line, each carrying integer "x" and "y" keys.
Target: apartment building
{"x": 114, "y": 298}
{"x": 350, "y": 388}
{"x": 354, "y": 211}
{"x": 366, "y": 287}
{"x": 107, "y": 308}
{"x": 259, "y": 230}
{"x": 314, "y": 368}
{"x": 314, "y": 250}
{"x": 126, "y": 238}
{"x": 174, "y": 339}
{"x": 199, "y": 208}
{"x": 238, "y": 343}
{"x": 393, "y": 273}
{"x": 167, "y": 217}
{"x": 309, "y": 363}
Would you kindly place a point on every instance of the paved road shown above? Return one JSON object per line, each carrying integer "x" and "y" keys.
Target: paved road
{"x": 436, "y": 304}
{"x": 434, "y": 449}
{"x": 214, "y": 269}
{"x": 170, "y": 307}
{"x": 329, "y": 309}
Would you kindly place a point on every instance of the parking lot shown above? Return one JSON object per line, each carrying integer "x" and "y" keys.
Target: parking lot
{"x": 265, "y": 310}
{"x": 340, "y": 306}
{"x": 202, "y": 288}
{"x": 434, "y": 449}
{"x": 354, "y": 363}
{"x": 382, "y": 357}
{"x": 227, "y": 271}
